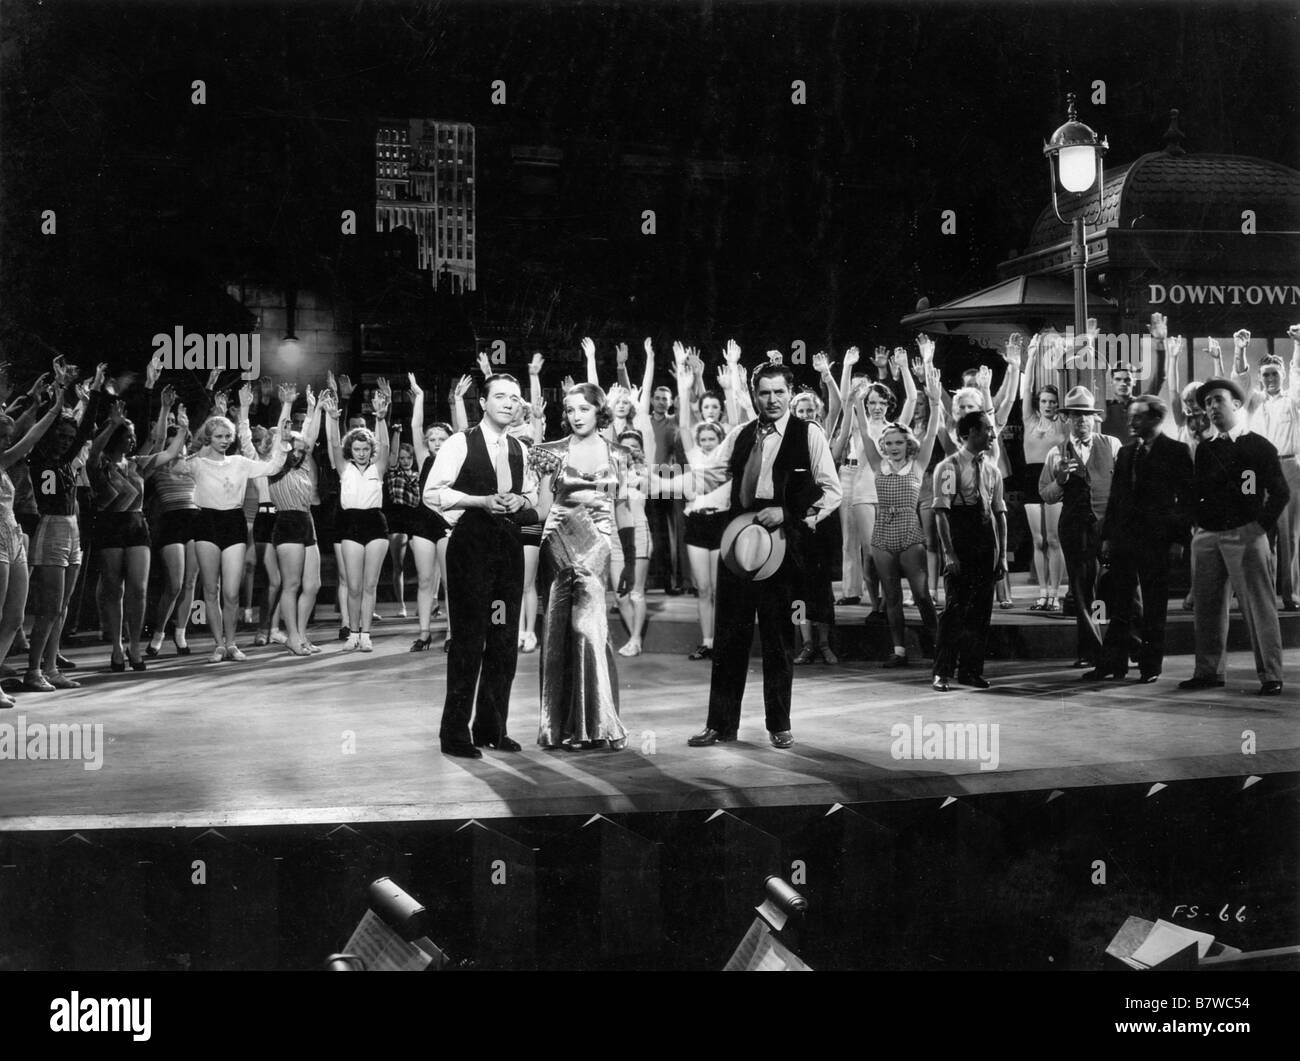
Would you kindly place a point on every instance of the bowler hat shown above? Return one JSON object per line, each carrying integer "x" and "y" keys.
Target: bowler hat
{"x": 751, "y": 550}
{"x": 1203, "y": 391}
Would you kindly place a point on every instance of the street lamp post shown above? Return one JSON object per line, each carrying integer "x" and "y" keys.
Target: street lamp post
{"x": 1074, "y": 155}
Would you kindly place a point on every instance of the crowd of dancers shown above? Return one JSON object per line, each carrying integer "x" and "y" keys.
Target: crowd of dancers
{"x": 880, "y": 480}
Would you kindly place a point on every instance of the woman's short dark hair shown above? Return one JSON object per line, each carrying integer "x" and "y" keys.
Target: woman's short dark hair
{"x": 884, "y": 392}
{"x": 1049, "y": 388}
{"x": 593, "y": 395}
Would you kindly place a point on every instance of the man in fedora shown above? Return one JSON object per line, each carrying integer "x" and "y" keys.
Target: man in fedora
{"x": 1241, "y": 491}
{"x": 784, "y": 484}
{"x": 1078, "y": 473}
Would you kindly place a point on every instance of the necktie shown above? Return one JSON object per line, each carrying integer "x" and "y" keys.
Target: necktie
{"x": 504, "y": 481}
{"x": 977, "y": 469}
{"x": 749, "y": 480}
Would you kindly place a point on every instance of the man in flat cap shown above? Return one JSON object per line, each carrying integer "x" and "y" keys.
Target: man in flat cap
{"x": 1240, "y": 492}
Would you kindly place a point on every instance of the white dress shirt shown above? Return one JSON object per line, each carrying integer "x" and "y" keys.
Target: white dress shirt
{"x": 716, "y": 471}
{"x": 438, "y": 491}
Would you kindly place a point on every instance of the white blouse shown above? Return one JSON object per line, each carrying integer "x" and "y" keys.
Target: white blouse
{"x": 360, "y": 489}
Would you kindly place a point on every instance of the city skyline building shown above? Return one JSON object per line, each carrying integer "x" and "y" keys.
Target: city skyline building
{"x": 424, "y": 181}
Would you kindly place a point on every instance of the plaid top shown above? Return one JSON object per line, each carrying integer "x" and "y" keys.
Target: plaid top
{"x": 403, "y": 488}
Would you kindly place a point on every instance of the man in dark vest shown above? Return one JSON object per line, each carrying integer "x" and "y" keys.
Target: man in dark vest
{"x": 483, "y": 486}
{"x": 1146, "y": 527}
{"x": 781, "y": 470}
{"x": 1078, "y": 473}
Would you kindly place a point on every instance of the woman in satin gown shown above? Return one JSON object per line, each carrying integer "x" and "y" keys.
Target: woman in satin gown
{"x": 582, "y": 480}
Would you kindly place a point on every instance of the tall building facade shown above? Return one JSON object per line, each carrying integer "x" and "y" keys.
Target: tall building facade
{"x": 424, "y": 180}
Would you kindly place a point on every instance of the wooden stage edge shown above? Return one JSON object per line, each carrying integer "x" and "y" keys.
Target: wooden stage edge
{"x": 904, "y": 787}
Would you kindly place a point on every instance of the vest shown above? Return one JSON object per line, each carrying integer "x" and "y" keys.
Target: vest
{"x": 1087, "y": 491}
{"x": 794, "y": 490}
{"x": 478, "y": 475}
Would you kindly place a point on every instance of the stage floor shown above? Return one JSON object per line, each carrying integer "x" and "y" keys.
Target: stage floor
{"x": 351, "y": 738}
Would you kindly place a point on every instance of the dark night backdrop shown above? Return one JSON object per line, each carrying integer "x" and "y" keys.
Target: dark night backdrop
{"x": 823, "y": 221}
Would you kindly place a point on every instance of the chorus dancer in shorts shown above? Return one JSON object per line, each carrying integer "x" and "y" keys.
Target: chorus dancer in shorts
{"x": 294, "y": 535}
{"x": 117, "y": 475}
{"x": 13, "y": 547}
{"x": 176, "y": 520}
{"x": 221, "y": 532}
{"x": 361, "y": 460}
{"x": 429, "y": 531}
{"x": 55, "y": 555}
{"x": 1044, "y": 428}
{"x": 898, "y": 545}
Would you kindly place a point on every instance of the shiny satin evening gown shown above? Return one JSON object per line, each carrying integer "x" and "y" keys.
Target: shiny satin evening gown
{"x": 579, "y": 679}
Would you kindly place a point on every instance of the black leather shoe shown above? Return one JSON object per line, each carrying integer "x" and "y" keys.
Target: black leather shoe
{"x": 151, "y": 652}
{"x": 975, "y": 681}
{"x": 1081, "y": 664}
{"x": 941, "y": 685}
{"x": 1100, "y": 674}
{"x": 1196, "y": 682}
{"x": 462, "y": 751}
{"x": 1270, "y": 689}
{"x": 849, "y": 600}
{"x": 703, "y": 652}
{"x": 807, "y": 654}
{"x": 710, "y": 736}
{"x": 784, "y": 739}
{"x": 894, "y": 661}
{"x": 1291, "y": 606}
{"x": 64, "y": 663}
{"x": 505, "y": 744}
{"x": 1148, "y": 679}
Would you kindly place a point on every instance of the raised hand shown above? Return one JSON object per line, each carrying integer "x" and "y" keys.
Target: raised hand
{"x": 724, "y": 377}
{"x": 567, "y": 383}
{"x": 775, "y": 357}
{"x": 167, "y": 396}
{"x": 484, "y": 364}
{"x": 153, "y": 370}
{"x": 267, "y": 386}
{"x": 649, "y": 347}
{"x": 416, "y": 390}
{"x": 330, "y": 383}
{"x": 245, "y": 398}
{"x": 379, "y": 404}
{"x": 926, "y": 345}
{"x": 1034, "y": 341}
{"x": 61, "y": 373}
{"x": 539, "y": 407}
{"x": 213, "y": 377}
{"x": 535, "y": 365}
{"x": 101, "y": 374}
{"x": 731, "y": 352}
{"x": 919, "y": 366}
{"x": 1240, "y": 340}
{"x": 311, "y": 400}
{"x": 287, "y": 393}
{"x": 899, "y": 358}
{"x": 1294, "y": 332}
{"x": 695, "y": 365}
{"x": 385, "y": 388}
{"x": 117, "y": 413}
{"x": 1213, "y": 348}
{"x": 851, "y": 356}
{"x": 679, "y": 354}
{"x": 933, "y": 384}
{"x": 820, "y": 363}
{"x": 346, "y": 387}
{"x": 182, "y": 418}
{"x": 620, "y": 354}
{"x": 83, "y": 391}
{"x": 1159, "y": 326}
{"x": 1174, "y": 345}
{"x": 588, "y": 348}
{"x": 984, "y": 377}
{"x": 461, "y": 388}
{"x": 1015, "y": 345}
{"x": 220, "y": 403}
{"x": 42, "y": 381}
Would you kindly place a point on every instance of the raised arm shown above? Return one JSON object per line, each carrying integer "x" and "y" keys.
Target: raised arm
{"x": 380, "y": 402}
{"x": 647, "y": 378}
{"x": 1176, "y": 391}
{"x": 933, "y": 392}
{"x": 316, "y": 409}
{"x": 1028, "y": 399}
{"x": 459, "y": 418}
{"x": 899, "y": 362}
{"x": 822, "y": 366}
{"x": 34, "y": 433}
{"x": 1006, "y": 396}
{"x": 682, "y": 376}
{"x": 866, "y": 444}
{"x": 589, "y": 352}
{"x": 620, "y": 366}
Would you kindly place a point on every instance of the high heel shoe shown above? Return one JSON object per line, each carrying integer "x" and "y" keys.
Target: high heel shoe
{"x": 422, "y": 643}
{"x": 117, "y": 665}
{"x": 137, "y": 664}
{"x": 181, "y": 650}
